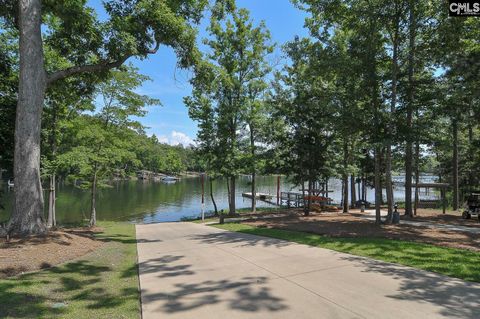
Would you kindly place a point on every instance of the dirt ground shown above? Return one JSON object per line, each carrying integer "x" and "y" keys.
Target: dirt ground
{"x": 437, "y": 216}
{"x": 352, "y": 225}
{"x": 20, "y": 255}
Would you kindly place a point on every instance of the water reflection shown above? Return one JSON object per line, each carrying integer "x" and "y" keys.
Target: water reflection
{"x": 148, "y": 201}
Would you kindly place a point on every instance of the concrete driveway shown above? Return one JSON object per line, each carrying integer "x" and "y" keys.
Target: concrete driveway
{"x": 195, "y": 271}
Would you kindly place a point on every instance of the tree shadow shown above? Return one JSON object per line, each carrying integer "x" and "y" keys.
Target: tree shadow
{"x": 162, "y": 267}
{"x": 126, "y": 239}
{"x": 347, "y": 225}
{"x": 242, "y": 239}
{"x": 247, "y": 294}
{"x": 82, "y": 280}
{"x": 456, "y": 298}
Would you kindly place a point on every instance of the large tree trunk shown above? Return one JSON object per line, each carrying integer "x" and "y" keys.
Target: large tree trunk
{"x": 213, "y": 199}
{"x": 455, "y": 200}
{"x": 393, "y": 106}
{"x": 410, "y": 102}
{"x": 231, "y": 208}
{"x": 27, "y": 216}
{"x": 93, "y": 211}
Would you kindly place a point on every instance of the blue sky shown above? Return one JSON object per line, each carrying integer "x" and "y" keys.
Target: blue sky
{"x": 170, "y": 122}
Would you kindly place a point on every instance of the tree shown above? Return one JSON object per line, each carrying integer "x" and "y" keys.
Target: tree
{"x": 134, "y": 29}
{"x": 302, "y": 101}
{"x": 103, "y": 141}
{"x": 235, "y": 67}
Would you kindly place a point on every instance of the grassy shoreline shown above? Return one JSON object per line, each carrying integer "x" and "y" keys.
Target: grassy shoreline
{"x": 458, "y": 263}
{"x": 101, "y": 284}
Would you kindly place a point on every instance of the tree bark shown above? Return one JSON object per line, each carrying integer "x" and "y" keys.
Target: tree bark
{"x": 378, "y": 186}
{"x": 345, "y": 176}
{"x": 455, "y": 200}
{"x": 27, "y": 216}
{"x": 393, "y": 106}
{"x": 232, "y": 207}
{"x": 417, "y": 175}
{"x": 252, "y": 149}
{"x": 213, "y": 199}
{"x": 51, "y": 221}
{"x": 353, "y": 194}
{"x": 93, "y": 211}
{"x": 410, "y": 102}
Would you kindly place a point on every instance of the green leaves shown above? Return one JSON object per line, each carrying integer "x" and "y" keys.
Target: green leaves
{"x": 228, "y": 89}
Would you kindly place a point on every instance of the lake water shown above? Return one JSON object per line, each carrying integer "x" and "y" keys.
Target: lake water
{"x": 149, "y": 201}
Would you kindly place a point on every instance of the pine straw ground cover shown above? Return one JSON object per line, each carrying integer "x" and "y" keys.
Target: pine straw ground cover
{"x": 101, "y": 284}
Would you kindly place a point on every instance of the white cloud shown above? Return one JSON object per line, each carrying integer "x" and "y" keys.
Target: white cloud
{"x": 181, "y": 138}
{"x": 175, "y": 138}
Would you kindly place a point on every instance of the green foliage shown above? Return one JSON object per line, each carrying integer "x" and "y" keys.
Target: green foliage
{"x": 227, "y": 94}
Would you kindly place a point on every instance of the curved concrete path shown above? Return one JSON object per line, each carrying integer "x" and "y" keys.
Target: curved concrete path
{"x": 195, "y": 271}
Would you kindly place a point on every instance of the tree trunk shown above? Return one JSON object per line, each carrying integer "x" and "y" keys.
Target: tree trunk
{"x": 417, "y": 175}
{"x": 455, "y": 200}
{"x": 364, "y": 187}
{"x": 305, "y": 206}
{"x": 345, "y": 176}
{"x": 352, "y": 191}
{"x": 393, "y": 106}
{"x": 309, "y": 192}
{"x": 410, "y": 102}
{"x": 27, "y": 216}
{"x": 252, "y": 149}
{"x": 93, "y": 211}
{"x": 228, "y": 192}
{"x": 378, "y": 187}
{"x": 213, "y": 199}
{"x": 232, "y": 208}
{"x": 51, "y": 221}
{"x": 254, "y": 193}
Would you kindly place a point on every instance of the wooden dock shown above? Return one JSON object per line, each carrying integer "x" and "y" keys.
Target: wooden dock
{"x": 267, "y": 198}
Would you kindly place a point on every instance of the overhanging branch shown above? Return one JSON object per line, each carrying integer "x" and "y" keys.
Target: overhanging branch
{"x": 91, "y": 68}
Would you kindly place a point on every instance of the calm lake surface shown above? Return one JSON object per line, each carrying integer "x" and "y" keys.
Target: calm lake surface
{"x": 150, "y": 201}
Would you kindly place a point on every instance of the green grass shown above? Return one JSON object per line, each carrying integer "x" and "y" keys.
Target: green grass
{"x": 240, "y": 211}
{"x": 459, "y": 263}
{"x": 102, "y": 284}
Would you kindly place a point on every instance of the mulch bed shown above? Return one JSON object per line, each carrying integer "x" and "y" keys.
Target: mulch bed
{"x": 437, "y": 216}
{"x": 20, "y": 255}
{"x": 349, "y": 225}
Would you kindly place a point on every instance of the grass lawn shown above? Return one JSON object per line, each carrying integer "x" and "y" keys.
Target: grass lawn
{"x": 240, "y": 211}
{"x": 459, "y": 263}
{"x": 102, "y": 284}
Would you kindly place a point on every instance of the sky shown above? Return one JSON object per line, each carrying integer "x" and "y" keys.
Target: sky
{"x": 170, "y": 121}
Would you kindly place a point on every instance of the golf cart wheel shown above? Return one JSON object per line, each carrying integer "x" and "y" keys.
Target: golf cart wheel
{"x": 466, "y": 215}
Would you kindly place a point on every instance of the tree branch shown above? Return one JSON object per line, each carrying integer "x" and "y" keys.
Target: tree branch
{"x": 90, "y": 68}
